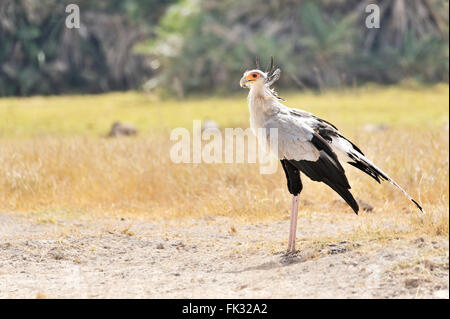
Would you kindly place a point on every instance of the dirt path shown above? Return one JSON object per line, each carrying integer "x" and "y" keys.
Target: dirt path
{"x": 210, "y": 258}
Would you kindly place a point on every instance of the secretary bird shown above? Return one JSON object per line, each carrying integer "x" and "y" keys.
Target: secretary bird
{"x": 306, "y": 144}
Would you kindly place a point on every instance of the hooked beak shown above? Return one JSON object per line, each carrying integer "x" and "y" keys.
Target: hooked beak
{"x": 246, "y": 80}
{"x": 243, "y": 82}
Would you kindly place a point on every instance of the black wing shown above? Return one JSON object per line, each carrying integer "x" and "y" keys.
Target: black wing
{"x": 328, "y": 170}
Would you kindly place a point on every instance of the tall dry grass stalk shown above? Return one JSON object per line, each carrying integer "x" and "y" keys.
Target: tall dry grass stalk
{"x": 136, "y": 176}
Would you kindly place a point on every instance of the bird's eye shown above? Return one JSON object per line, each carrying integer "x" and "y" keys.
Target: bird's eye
{"x": 254, "y": 75}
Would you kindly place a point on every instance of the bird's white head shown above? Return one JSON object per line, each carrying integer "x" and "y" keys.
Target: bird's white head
{"x": 257, "y": 77}
{"x": 253, "y": 77}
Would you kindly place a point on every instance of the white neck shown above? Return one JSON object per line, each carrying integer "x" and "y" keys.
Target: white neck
{"x": 261, "y": 104}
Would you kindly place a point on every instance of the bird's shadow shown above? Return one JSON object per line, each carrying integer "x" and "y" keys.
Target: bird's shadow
{"x": 286, "y": 259}
{"x": 301, "y": 256}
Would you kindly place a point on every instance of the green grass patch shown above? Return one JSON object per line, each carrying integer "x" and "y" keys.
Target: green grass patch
{"x": 93, "y": 115}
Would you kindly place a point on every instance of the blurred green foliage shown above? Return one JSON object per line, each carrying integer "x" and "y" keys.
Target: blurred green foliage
{"x": 205, "y": 45}
{"x": 39, "y": 55}
{"x": 182, "y": 46}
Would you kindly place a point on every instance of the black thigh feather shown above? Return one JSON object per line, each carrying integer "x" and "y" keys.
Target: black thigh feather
{"x": 294, "y": 182}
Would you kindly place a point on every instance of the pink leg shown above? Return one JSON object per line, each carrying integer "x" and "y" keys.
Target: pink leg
{"x": 293, "y": 227}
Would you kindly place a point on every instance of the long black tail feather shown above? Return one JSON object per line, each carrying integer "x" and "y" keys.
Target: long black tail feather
{"x": 370, "y": 169}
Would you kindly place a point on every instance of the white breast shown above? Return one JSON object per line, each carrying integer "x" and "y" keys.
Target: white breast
{"x": 294, "y": 136}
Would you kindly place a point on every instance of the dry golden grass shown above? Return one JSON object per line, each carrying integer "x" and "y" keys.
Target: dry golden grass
{"x": 95, "y": 175}
{"x": 62, "y": 174}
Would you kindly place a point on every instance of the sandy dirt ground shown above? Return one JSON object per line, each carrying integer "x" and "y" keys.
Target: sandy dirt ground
{"x": 210, "y": 258}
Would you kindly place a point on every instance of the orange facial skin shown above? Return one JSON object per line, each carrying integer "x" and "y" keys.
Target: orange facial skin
{"x": 252, "y": 77}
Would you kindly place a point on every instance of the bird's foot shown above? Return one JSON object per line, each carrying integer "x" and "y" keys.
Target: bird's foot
{"x": 291, "y": 253}
{"x": 291, "y": 256}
